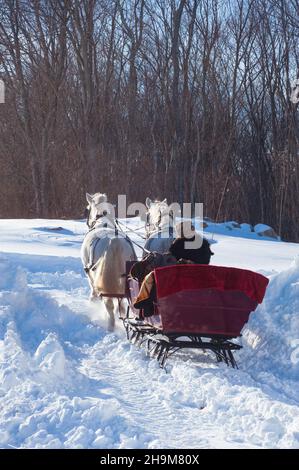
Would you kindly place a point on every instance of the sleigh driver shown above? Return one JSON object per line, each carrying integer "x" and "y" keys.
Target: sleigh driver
{"x": 188, "y": 248}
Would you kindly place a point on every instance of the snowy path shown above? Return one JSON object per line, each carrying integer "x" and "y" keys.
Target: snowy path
{"x": 66, "y": 382}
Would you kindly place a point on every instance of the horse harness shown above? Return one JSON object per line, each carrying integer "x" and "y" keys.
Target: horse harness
{"x": 117, "y": 228}
{"x": 91, "y": 226}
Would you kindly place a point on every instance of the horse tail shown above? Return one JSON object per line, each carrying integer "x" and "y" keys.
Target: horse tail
{"x": 110, "y": 269}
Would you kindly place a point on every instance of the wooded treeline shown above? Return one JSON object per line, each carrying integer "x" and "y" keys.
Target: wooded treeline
{"x": 184, "y": 99}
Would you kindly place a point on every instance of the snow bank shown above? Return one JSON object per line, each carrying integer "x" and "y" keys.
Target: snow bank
{"x": 266, "y": 231}
{"x": 271, "y": 338}
{"x": 244, "y": 230}
{"x": 65, "y": 382}
{"x": 46, "y": 398}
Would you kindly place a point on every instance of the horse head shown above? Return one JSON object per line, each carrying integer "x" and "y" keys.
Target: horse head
{"x": 159, "y": 216}
{"x": 98, "y": 207}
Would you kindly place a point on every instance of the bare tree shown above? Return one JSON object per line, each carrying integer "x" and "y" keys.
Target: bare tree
{"x": 186, "y": 99}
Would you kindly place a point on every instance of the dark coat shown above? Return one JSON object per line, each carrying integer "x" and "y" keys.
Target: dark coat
{"x": 200, "y": 255}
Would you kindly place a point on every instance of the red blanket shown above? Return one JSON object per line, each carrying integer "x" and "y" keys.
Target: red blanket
{"x": 180, "y": 277}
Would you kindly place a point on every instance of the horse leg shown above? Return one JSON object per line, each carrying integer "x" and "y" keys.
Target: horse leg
{"x": 109, "y": 304}
{"x": 122, "y": 308}
{"x": 93, "y": 294}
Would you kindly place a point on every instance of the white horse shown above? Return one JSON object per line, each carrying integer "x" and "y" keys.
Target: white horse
{"x": 104, "y": 253}
{"x": 160, "y": 222}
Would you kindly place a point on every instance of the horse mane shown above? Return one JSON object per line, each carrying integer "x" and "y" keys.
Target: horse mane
{"x": 99, "y": 198}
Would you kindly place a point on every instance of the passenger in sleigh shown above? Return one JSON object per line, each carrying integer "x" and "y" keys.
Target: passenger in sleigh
{"x": 188, "y": 247}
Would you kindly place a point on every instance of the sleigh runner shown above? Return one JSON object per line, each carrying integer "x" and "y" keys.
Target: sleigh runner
{"x": 197, "y": 306}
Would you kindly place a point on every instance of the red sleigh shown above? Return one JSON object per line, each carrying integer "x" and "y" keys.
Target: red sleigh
{"x": 197, "y": 306}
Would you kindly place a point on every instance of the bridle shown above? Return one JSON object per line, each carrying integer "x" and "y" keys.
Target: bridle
{"x": 148, "y": 225}
{"x": 91, "y": 225}
{"x": 156, "y": 226}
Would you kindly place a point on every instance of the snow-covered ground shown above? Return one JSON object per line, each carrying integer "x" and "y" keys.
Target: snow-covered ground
{"x": 66, "y": 382}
